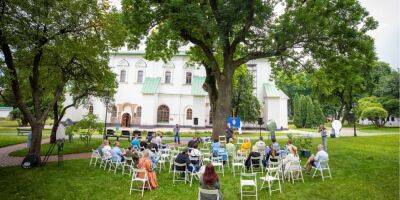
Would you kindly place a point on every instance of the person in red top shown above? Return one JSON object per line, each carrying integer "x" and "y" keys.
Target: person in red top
{"x": 210, "y": 181}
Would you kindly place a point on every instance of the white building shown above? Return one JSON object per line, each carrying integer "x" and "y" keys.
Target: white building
{"x": 157, "y": 94}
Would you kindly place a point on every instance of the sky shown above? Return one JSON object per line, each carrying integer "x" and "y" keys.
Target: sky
{"x": 386, "y": 36}
{"x": 387, "y": 42}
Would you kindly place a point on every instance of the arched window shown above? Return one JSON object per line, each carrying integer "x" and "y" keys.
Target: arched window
{"x": 188, "y": 77}
{"x": 122, "y": 76}
{"x": 91, "y": 109}
{"x": 123, "y": 63}
{"x": 140, "y": 64}
{"x": 139, "y": 111}
{"x": 167, "y": 77}
{"x": 114, "y": 111}
{"x": 163, "y": 114}
{"x": 189, "y": 114}
{"x": 140, "y": 76}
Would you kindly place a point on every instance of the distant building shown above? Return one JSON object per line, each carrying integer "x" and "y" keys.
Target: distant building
{"x": 157, "y": 94}
{"x": 5, "y": 111}
{"x": 392, "y": 122}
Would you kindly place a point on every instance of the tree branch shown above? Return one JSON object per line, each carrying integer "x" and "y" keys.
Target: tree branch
{"x": 249, "y": 21}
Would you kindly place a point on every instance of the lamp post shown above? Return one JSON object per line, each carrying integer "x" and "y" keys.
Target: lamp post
{"x": 354, "y": 120}
{"x": 106, "y": 102}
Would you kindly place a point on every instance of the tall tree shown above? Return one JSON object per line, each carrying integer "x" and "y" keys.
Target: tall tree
{"x": 227, "y": 34}
{"x": 244, "y": 103}
{"x": 47, "y": 46}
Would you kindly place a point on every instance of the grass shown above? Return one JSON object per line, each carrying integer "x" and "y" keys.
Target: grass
{"x": 362, "y": 168}
{"x": 383, "y": 130}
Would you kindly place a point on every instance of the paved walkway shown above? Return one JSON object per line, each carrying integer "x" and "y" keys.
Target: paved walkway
{"x": 6, "y": 160}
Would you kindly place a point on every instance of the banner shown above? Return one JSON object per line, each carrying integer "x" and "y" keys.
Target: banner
{"x": 234, "y": 122}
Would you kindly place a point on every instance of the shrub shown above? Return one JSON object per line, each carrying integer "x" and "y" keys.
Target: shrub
{"x": 375, "y": 114}
{"x": 87, "y": 127}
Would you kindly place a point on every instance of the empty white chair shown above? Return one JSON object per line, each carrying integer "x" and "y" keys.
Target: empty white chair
{"x": 295, "y": 171}
{"x": 248, "y": 180}
{"x": 238, "y": 164}
{"x": 179, "y": 169}
{"x": 127, "y": 166}
{"x": 161, "y": 162}
{"x": 94, "y": 157}
{"x": 171, "y": 163}
{"x": 271, "y": 176}
{"x": 140, "y": 175}
{"x": 321, "y": 167}
{"x": 208, "y": 193}
{"x": 206, "y": 158}
{"x": 218, "y": 162}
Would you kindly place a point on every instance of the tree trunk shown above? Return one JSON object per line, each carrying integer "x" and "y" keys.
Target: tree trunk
{"x": 37, "y": 129}
{"x": 56, "y": 121}
{"x": 223, "y": 105}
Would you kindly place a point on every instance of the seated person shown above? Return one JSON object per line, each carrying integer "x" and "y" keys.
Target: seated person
{"x": 146, "y": 164}
{"x": 182, "y": 158}
{"x": 267, "y": 153}
{"x": 215, "y": 147}
{"x": 275, "y": 146}
{"x": 100, "y": 148}
{"x": 135, "y": 142}
{"x": 260, "y": 144}
{"x": 192, "y": 142}
{"x": 245, "y": 148}
{"x": 106, "y": 149}
{"x": 158, "y": 140}
{"x": 254, "y": 153}
{"x": 291, "y": 157}
{"x": 195, "y": 153}
{"x": 143, "y": 145}
{"x": 209, "y": 181}
{"x": 117, "y": 154}
{"x": 315, "y": 160}
{"x": 231, "y": 148}
{"x": 132, "y": 153}
{"x": 153, "y": 146}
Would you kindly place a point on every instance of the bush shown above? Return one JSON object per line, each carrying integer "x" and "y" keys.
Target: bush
{"x": 87, "y": 127}
{"x": 375, "y": 114}
{"x": 307, "y": 114}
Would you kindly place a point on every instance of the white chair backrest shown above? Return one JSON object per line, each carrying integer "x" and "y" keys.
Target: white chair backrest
{"x": 138, "y": 172}
{"x": 323, "y": 164}
{"x": 238, "y": 159}
{"x": 255, "y": 160}
{"x": 208, "y": 192}
{"x": 179, "y": 165}
{"x": 249, "y": 176}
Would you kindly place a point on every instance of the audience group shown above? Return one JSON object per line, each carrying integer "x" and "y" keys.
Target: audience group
{"x": 191, "y": 156}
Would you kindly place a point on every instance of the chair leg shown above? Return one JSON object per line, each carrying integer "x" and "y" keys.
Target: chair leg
{"x": 144, "y": 183}
{"x": 322, "y": 175}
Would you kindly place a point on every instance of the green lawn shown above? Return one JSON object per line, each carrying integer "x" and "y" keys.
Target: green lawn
{"x": 373, "y": 129}
{"x": 362, "y": 168}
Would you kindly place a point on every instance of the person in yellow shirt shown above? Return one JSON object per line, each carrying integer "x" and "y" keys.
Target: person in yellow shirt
{"x": 245, "y": 148}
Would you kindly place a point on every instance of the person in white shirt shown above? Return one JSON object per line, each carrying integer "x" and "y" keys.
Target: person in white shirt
{"x": 195, "y": 152}
{"x": 315, "y": 160}
{"x": 106, "y": 149}
{"x": 291, "y": 157}
{"x": 260, "y": 144}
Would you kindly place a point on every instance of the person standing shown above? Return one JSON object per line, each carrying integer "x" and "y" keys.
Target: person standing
{"x": 176, "y": 134}
{"x": 229, "y": 133}
{"x": 324, "y": 135}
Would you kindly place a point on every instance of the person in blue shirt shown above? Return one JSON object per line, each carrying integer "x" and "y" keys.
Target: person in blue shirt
{"x": 215, "y": 147}
{"x": 116, "y": 153}
{"x": 135, "y": 142}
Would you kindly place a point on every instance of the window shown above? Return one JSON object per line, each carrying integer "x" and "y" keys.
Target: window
{"x": 392, "y": 118}
{"x": 122, "y": 76}
{"x": 188, "y": 77}
{"x": 114, "y": 111}
{"x": 163, "y": 114}
{"x": 167, "y": 77}
{"x": 139, "y": 111}
{"x": 140, "y": 76}
{"x": 189, "y": 113}
{"x": 252, "y": 69}
{"x": 211, "y": 118}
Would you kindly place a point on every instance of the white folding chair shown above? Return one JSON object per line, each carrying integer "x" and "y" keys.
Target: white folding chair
{"x": 177, "y": 173}
{"x": 105, "y": 159}
{"x": 140, "y": 175}
{"x": 248, "y": 180}
{"x": 127, "y": 166}
{"x": 161, "y": 162}
{"x": 206, "y": 158}
{"x": 321, "y": 167}
{"x": 256, "y": 163}
{"x": 171, "y": 162}
{"x": 271, "y": 176}
{"x": 295, "y": 171}
{"x": 238, "y": 163}
{"x": 208, "y": 193}
{"x": 115, "y": 163}
{"x": 94, "y": 157}
{"x": 217, "y": 162}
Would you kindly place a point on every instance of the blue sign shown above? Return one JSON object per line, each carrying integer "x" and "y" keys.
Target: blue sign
{"x": 234, "y": 122}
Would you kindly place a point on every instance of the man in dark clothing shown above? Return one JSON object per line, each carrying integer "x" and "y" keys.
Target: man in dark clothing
{"x": 153, "y": 146}
{"x": 192, "y": 142}
{"x": 143, "y": 145}
{"x": 229, "y": 134}
{"x": 182, "y": 158}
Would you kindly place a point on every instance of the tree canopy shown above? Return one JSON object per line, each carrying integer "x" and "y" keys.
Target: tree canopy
{"x": 226, "y": 34}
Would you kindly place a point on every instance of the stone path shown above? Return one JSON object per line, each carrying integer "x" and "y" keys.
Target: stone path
{"x": 6, "y": 160}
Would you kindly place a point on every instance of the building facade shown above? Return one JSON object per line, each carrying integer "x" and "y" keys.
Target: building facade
{"x": 157, "y": 94}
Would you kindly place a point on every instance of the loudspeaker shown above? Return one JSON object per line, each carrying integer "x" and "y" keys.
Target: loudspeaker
{"x": 196, "y": 121}
{"x": 260, "y": 121}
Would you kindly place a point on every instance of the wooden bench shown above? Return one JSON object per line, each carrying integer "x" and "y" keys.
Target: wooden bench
{"x": 22, "y": 130}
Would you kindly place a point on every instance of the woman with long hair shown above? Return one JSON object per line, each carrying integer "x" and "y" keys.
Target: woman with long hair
{"x": 210, "y": 181}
